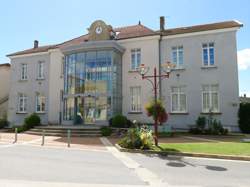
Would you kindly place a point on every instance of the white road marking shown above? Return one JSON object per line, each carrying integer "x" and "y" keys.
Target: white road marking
{"x": 143, "y": 173}
{"x": 23, "y": 183}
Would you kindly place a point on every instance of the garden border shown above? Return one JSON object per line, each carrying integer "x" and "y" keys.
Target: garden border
{"x": 201, "y": 155}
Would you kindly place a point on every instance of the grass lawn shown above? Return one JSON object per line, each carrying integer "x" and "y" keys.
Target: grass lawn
{"x": 223, "y": 148}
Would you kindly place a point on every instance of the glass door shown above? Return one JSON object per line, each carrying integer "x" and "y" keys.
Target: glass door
{"x": 101, "y": 109}
{"x": 89, "y": 110}
{"x": 79, "y": 117}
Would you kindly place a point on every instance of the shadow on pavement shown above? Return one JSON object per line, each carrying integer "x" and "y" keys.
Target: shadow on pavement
{"x": 179, "y": 162}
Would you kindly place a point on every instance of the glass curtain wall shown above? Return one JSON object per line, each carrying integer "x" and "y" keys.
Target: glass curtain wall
{"x": 92, "y": 86}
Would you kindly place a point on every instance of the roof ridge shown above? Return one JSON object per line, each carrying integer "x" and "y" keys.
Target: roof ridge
{"x": 207, "y": 24}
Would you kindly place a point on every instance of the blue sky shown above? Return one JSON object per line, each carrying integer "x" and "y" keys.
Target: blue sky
{"x": 54, "y": 21}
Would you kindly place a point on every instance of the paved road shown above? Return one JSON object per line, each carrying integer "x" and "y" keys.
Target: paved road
{"x": 28, "y": 165}
{"x": 197, "y": 171}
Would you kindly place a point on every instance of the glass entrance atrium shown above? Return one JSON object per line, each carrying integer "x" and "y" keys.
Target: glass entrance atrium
{"x": 92, "y": 86}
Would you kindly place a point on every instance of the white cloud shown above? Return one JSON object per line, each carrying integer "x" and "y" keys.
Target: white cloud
{"x": 244, "y": 59}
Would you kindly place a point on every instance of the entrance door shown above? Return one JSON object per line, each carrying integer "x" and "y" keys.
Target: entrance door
{"x": 79, "y": 111}
{"x": 89, "y": 110}
{"x": 101, "y": 109}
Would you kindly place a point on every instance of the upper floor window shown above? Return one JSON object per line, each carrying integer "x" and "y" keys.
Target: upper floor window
{"x": 135, "y": 58}
{"x": 210, "y": 98}
{"x": 208, "y": 54}
{"x": 135, "y": 94}
{"x": 22, "y": 103}
{"x": 177, "y": 56}
{"x": 24, "y": 71}
{"x": 40, "y": 103}
{"x": 40, "y": 72}
{"x": 178, "y": 99}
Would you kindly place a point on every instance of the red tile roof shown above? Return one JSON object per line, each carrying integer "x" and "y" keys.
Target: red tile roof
{"x": 205, "y": 27}
{"x": 136, "y": 31}
{"x": 5, "y": 64}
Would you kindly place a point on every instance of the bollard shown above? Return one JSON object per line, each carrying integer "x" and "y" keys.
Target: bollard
{"x": 43, "y": 137}
{"x": 68, "y": 137}
{"x": 15, "y": 141}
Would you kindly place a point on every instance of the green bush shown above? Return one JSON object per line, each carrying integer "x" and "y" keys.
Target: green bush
{"x": 19, "y": 128}
{"x": 214, "y": 127}
{"x": 119, "y": 121}
{"x": 244, "y": 117}
{"x": 137, "y": 139}
{"x": 31, "y": 121}
{"x": 106, "y": 131}
{"x": 201, "y": 123}
{"x": 3, "y": 123}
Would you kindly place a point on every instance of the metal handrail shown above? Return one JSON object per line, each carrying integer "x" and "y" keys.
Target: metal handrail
{"x": 4, "y": 99}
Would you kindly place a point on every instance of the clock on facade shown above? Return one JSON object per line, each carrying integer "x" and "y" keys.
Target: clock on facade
{"x": 98, "y": 30}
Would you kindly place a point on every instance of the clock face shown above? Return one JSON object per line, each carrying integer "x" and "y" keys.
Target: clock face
{"x": 98, "y": 30}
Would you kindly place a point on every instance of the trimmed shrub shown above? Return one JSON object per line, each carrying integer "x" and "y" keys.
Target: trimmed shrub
{"x": 214, "y": 127}
{"x": 244, "y": 117}
{"x": 3, "y": 123}
{"x": 201, "y": 123}
{"x": 31, "y": 121}
{"x": 119, "y": 121}
{"x": 106, "y": 131}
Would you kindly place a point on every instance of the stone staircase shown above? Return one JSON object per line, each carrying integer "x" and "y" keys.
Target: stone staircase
{"x": 76, "y": 131}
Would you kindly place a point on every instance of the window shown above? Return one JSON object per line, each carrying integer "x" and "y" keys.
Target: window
{"x": 210, "y": 98}
{"x": 208, "y": 54}
{"x": 40, "y": 70}
{"x": 178, "y": 99}
{"x": 177, "y": 56}
{"x": 22, "y": 103}
{"x": 40, "y": 103}
{"x": 135, "y": 93}
{"x": 24, "y": 68}
{"x": 135, "y": 58}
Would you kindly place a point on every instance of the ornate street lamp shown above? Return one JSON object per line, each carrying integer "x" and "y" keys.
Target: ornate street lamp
{"x": 143, "y": 70}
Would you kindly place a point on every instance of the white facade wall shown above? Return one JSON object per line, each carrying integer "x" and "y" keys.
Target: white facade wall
{"x": 55, "y": 86}
{"x": 150, "y": 57}
{"x": 225, "y": 74}
{"x": 30, "y": 87}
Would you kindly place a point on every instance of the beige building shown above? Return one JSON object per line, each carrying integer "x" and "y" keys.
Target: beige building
{"x": 4, "y": 89}
{"x": 88, "y": 79}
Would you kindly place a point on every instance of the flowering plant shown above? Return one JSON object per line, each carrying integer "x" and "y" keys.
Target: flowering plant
{"x": 157, "y": 111}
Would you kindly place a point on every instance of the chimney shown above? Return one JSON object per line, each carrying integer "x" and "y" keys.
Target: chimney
{"x": 245, "y": 95}
{"x": 162, "y": 23}
{"x": 36, "y": 43}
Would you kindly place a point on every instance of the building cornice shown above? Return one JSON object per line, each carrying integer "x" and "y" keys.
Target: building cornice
{"x": 93, "y": 45}
{"x": 28, "y": 55}
{"x": 201, "y": 33}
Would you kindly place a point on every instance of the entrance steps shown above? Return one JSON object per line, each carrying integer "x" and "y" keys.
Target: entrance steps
{"x": 76, "y": 131}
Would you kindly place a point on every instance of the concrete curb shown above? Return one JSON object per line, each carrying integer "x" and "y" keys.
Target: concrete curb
{"x": 201, "y": 155}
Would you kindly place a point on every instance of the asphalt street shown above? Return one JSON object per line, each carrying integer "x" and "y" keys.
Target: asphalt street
{"x": 27, "y": 165}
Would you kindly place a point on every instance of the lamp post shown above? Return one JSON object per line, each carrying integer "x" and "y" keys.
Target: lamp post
{"x": 143, "y": 70}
